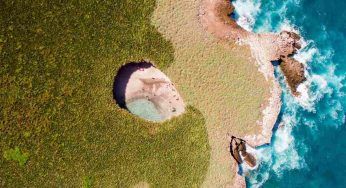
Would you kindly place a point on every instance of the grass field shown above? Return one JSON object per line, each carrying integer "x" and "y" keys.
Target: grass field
{"x": 59, "y": 125}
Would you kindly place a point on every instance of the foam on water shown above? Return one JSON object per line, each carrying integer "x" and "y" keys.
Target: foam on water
{"x": 306, "y": 54}
{"x": 246, "y": 168}
{"x": 246, "y": 12}
{"x": 283, "y": 146}
{"x": 282, "y": 154}
{"x": 319, "y": 105}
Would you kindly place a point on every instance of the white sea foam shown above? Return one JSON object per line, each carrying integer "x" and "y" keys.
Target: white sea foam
{"x": 287, "y": 26}
{"x": 263, "y": 157}
{"x": 284, "y": 148}
{"x": 246, "y": 168}
{"x": 305, "y": 55}
{"x": 246, "y": 10}
{"x": 323, "y": 83}
{"x": 308, "y": 98}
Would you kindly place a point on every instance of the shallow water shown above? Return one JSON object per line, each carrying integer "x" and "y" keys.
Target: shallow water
{"x": 144, "y": 109}
{"x": 308, "y": 150}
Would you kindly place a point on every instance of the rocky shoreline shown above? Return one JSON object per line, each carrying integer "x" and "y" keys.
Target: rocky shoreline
{"x": 266, "y": 49}
{"x": 215, "y": 18}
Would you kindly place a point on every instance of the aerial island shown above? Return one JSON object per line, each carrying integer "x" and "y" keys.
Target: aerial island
{"x": 136, "y": 93}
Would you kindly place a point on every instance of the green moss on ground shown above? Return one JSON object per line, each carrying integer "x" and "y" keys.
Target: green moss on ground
{"x": 87, "y": 182}
{"x": 16, "y": 155}
{"x": 57, "y": 63}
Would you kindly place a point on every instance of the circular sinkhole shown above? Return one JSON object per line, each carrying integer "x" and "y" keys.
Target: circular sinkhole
{"x": 147, "y": 92}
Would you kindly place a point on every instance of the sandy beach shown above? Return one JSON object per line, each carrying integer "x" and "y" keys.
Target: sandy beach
{"x": 142, "y": 80}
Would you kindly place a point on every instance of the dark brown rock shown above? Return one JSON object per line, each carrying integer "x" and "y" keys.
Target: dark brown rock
{"x": 234, "y": 150}
{"x": 238, "y": 150}
{"x": 294, "y": 73}
{"x": 249, "y": 159}
{"x": 289, "y": 43}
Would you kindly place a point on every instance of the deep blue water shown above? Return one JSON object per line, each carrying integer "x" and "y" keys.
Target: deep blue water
{"x": 309, "y": 148}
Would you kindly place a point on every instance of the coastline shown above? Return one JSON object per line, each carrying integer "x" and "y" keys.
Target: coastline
{"x": 265, "y": 48}
{"x": 227, "y": 29}
{"x": 224, "y": 71}
{"x": 221, "y": 79}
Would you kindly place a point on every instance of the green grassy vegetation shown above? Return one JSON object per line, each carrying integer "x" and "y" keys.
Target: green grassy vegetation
{"x": 16, "y": 155}
{"x": 57, "y": 64}
{"x": 87, "y": 183}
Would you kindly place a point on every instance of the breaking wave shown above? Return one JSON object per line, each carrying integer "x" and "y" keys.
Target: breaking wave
{"x": 302, "y": 119}
{"x": 246, "y": 12}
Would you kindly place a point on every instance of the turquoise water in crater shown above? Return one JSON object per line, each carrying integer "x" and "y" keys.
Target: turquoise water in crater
{"x": 309, "y": 150}
{"x": 144, "y": 109}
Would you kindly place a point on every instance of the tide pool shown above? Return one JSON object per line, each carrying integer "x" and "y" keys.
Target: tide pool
{"x": 308, "y": 149}
{"x": 144, "y": 109}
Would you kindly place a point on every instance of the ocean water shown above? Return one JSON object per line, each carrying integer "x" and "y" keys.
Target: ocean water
{"x": 308, "y": 147}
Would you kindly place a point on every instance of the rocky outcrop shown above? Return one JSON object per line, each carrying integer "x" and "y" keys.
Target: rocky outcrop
{"x": 294, "y": 73}
{"x": 215, "y": 16}
{"x": 239, "y": 152}
{"x": 288, "y": 45}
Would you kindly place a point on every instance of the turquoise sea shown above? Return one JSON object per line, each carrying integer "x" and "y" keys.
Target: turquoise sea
{"x": 308, "y": 147}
